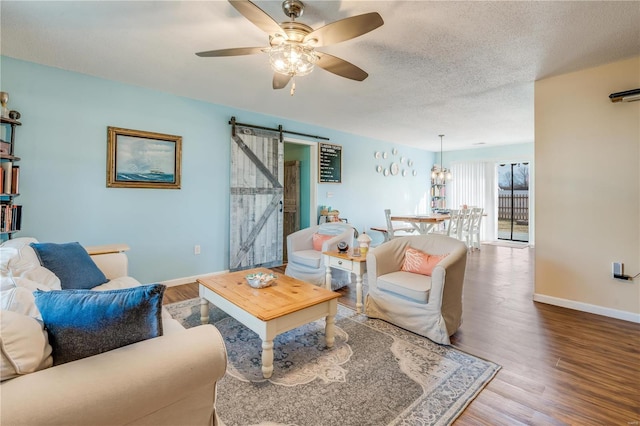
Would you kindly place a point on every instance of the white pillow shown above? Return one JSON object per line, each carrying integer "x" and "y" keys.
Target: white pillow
{"x": 6, "y": 254}
{"x": 6, "y": 283}
{"x": 24, "y": 345}
{"x": 19, "y": 260}
{"x": 40, "y": 276}
{"x": 20, "y": 300}
{"x": 26, "y": 258}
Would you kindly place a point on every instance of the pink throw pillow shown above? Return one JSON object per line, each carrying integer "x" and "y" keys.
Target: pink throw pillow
{"x": 319, "y": 239}
{"x": 419, "y": 262}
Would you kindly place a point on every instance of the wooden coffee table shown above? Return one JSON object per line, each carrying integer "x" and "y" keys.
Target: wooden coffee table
{"x": 287, "y": 304}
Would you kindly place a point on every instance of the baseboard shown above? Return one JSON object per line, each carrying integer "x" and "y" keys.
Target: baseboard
{"x": 586, "y": 307}
{"x": 189, "y": 280}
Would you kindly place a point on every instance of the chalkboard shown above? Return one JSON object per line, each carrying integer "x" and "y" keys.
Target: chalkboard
{"x": 330, "y": 159}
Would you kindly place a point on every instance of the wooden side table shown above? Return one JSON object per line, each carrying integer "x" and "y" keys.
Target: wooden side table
{"x": 346, "y": 262}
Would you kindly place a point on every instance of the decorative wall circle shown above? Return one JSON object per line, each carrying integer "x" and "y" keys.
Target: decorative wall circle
{"x": 395, "y": 168}
{"x": 378, "y": 169}
{"x": 415, "y": 173}
{"x": 384, "y": 155}
{"x": 404, "y": 173}
{"x": 377, "y": 154}
{"x": 386, "y": 172}
{"x": 394, "y": 151}
{"x": 410, "y": 163}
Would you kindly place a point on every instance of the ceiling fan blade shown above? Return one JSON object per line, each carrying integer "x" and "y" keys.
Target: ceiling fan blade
{"x": 340, "y": 67}
{"x": 280, "y": 81}
{"x": 258, "y": 16}
{"x": 345, "y": 29}
{"x": 236, "y": 51}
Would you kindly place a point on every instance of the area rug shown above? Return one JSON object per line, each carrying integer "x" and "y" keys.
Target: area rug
{"x": 375, "y": 374}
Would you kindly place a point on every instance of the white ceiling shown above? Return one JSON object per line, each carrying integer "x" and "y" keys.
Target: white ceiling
{"x": 462, "y": 68}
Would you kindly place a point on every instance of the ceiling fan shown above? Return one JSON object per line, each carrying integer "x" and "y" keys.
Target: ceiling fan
{"x": 292, "y": 45}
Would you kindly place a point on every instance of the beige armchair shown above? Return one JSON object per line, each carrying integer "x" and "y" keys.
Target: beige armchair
{"x": 427, "y": 305}
{"x": 307, "y": 264}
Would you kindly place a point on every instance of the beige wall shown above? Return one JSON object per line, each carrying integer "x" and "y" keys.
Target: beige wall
{"x": 587, "y": 182}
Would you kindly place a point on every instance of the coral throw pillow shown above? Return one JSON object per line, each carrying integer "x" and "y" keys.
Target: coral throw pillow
{"x": 420, "y": 262}
{"x": 319, "y": 239}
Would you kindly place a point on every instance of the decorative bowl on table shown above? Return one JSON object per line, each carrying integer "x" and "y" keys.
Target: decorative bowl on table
{"x": 261, "y": 279}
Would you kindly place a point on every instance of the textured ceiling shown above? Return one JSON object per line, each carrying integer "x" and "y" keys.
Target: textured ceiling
{"x": 465, "y": 69}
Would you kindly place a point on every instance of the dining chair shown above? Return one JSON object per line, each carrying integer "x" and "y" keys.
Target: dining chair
{"x": 474, "y": 231}
{"x": 451, "y": 225}
{"x": 391, "y": 230}
{"x": 464, "y": 225}
{"x": 470, "y": 230}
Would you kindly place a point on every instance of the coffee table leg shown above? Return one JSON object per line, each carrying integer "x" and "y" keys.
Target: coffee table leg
{"x": 267, "y": 358}
{"x": 204, "y": 311}
{"x": 329, "y": 333}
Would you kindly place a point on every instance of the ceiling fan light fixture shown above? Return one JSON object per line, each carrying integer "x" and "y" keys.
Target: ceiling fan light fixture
{"x": 292, "y": 59}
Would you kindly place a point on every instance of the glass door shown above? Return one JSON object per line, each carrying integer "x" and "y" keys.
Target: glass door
{"x": 513, "y": 202}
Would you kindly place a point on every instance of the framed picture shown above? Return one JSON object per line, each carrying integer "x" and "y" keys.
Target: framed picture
{"x": 330, "y": 163}
{"x": 138, "y": 159}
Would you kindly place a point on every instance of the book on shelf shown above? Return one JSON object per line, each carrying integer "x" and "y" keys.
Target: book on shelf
{"x": 16, "y": 218}
{"x": 7, "y": 171}
{"x": 15, "y": 176}
{"x": 10, "y": 218}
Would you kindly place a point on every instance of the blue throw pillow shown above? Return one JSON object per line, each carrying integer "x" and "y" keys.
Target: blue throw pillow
{"x": 71, "y": 263}
{"x": 83, "y": 323}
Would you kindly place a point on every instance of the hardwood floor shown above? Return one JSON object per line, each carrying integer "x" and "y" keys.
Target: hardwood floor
{"x": 559, "y": 366}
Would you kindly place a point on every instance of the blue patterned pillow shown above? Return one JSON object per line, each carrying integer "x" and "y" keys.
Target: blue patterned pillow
{"x": 71, "y": 263}
{"x": 83, "y": 323}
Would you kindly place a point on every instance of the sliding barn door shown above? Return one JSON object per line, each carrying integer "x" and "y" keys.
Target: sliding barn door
{"x": 257, "y": 173}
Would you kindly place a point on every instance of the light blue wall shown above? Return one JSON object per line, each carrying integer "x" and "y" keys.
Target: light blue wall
{"x": 516, "y": 152}
{"x": 62, "y": 143}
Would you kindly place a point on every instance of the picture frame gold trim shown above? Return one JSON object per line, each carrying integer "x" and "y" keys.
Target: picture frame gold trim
{"x": 140, "y": 159}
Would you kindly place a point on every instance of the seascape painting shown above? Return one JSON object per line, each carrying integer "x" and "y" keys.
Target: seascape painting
{"x": 140, "y": 159}
{"x": 143, "y": 160}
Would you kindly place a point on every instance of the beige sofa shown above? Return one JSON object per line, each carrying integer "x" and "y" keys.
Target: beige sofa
{"x": 427, "y": 305}
{"x": 167, "y": 380}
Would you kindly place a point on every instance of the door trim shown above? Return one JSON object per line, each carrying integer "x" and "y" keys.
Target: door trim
{"x": 313, "y": 178}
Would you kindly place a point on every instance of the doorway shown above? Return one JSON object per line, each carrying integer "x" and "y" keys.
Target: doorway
{"x": 513, "y": 202}
{"x": 291, "y": 219}
{"x": 305, "y": 155}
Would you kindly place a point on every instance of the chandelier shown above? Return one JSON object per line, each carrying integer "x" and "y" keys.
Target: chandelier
{"x": 438, "y": 171}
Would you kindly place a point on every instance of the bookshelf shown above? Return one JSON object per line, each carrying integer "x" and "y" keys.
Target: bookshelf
{"x": 10, "y": 212}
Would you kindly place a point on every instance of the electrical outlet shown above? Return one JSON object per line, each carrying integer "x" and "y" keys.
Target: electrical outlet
{"x": 196, "y": 249}
{"x": 617, "y": 269}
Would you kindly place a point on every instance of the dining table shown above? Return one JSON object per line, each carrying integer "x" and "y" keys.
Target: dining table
{"x": 422, "y": 223}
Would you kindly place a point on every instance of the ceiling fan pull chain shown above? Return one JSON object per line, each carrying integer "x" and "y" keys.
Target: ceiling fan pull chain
{"x": 293, "y": 86}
